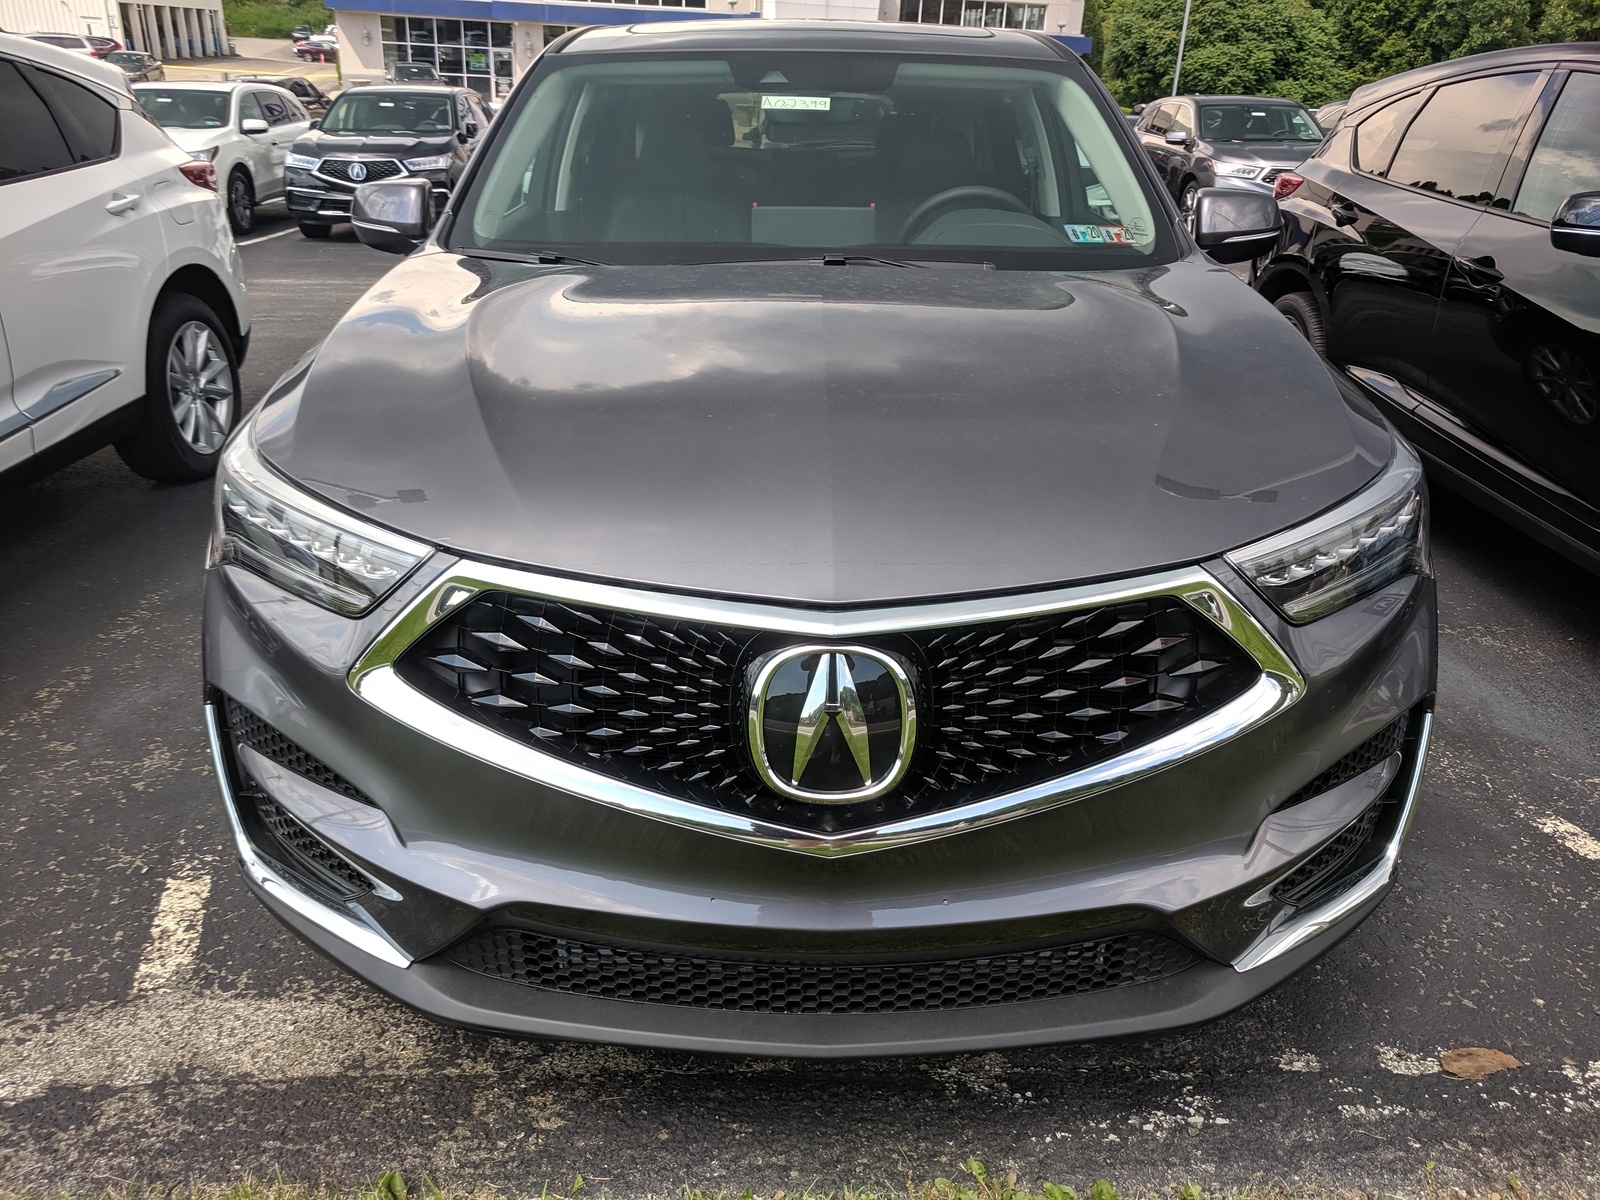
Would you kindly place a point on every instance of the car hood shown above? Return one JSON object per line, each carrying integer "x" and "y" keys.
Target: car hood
{"x": 836, "y": 435}
{"x": 1268, "y": 154}
{"x": 405, "y": 145}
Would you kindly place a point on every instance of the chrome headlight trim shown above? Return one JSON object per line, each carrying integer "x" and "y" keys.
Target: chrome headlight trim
{"x": 375, "y": 680}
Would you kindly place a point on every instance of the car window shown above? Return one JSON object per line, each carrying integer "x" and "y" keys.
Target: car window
{"x": 250, "y": 108}
{"x": 1258, "y": 123}
{"x": 957, "y": 160}
{"x": 1379, "y": 134}
{"x": 297, "y": 111}
{"x": 89, "y": 122}
{"x": 30, "y": 141}
{"x": 1161, "y": 119}
{"x": 1567, "y": 158}
{"x": 274, "y": 108}
{"x": 1182, "y": 121}
{"x": 1456, "y": 146}
{"x": 390, "y": 112}
{"x": 180, "y": 108}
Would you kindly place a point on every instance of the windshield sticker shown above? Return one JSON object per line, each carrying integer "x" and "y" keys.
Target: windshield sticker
{"x": 798, "y": 103}
{"x": 1084, "y": 233}
{"x": 1117, "y": 235}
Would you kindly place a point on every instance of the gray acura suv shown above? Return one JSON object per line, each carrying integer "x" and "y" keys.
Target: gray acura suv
{"x": 809, "y": 556}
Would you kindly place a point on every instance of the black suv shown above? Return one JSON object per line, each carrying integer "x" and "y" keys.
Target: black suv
{"x": 316, "y": 101}
{"x": 415, "y": 131}
{"x": 1443, "y": 246}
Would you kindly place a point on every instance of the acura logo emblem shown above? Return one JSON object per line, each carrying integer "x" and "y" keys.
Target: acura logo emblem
{"x": 358, "y": 172}
{"x": 831, "y": 724}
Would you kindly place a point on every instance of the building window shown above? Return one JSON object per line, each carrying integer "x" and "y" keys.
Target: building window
{"x": 475, "y": 54}
{"x": 982, "y": 14}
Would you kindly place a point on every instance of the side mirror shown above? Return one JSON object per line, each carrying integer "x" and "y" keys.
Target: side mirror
{"x": 253, "y": 125}
{"x": 392, "y": 217}
{"x": 471, "y": 130}
{"x": 1235, "y": 226}
{"x": 316, "y": 122}
{"x": 1576, "y": 227}
{"x": 1175, "y": 137}
{"x": 1138, "y": 108}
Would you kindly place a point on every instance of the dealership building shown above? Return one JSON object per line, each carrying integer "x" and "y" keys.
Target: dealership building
{"x": 194, "y": 29}
{"x": 488, "y": 44}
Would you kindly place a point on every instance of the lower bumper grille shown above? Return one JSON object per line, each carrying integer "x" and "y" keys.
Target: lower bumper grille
{"x": 748, "y": 985}
{"x": 304, "y": 853}
{"x": 250, "y": 730}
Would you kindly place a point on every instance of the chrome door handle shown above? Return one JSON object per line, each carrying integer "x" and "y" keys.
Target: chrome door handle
{"x": 120, "y": 203}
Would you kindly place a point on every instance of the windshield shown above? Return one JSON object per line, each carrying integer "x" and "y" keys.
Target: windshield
{"x": 414, "y": 71}
{"x": 390, "y": 112}
{"x": 176, "y": 108}
{"x": 779, "y": 155}
{"x": 125, "y": 58}
{"x": 1257, "y": 123}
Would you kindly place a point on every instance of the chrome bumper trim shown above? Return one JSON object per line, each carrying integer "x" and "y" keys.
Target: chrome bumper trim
{"x": 341, "y": 923}
{"x": 1302, "y": 927}
{"x": 374, "y": 679}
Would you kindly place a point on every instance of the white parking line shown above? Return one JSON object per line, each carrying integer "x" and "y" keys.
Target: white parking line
{"x": 267, "y": 237}
{"x": 175, "y": 932}
{"x": 1570, "y": 836}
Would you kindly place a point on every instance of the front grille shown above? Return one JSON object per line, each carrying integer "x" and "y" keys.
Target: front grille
{"x": 377, "y": 168}
{"x": 1358, "y": 762}
{"x": 747, "y": 985}
{"x": 661, "y": 703}
{"x": 250, "y": 730}
{"x": 1311, "y": 879}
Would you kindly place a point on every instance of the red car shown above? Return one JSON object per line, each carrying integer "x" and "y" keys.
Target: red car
{"x": 319, "y": 48}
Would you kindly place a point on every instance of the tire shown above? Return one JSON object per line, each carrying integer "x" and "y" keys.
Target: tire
{"x": 1302, "y": 311}
{"x": 1186, "y": 203}
{"x": 241, "y": 203}
{"x": 192, "y": 395}
{"x": 312, "y": 230}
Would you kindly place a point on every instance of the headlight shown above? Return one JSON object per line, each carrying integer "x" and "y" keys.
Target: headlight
{"x": 301, "y": 162}
{"x": 435, "y": 162}
{"x": 299, "y": 542}
{"x": 204, "y": 155}
{"x": 1376, "y": 536}
{"x": 1235, "y": 171}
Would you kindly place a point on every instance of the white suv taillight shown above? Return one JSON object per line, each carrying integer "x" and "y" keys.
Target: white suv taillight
{"x": 201, "y": 174}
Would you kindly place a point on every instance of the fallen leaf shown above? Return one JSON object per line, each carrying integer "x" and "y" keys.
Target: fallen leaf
{"x": 1475, "y": 1062}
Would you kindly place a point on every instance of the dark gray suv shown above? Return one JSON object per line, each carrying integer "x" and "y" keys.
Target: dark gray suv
{"x": 1241, "y": 142}
{"x": 809, "y": 556}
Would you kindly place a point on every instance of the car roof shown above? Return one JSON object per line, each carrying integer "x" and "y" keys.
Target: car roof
{"x": 1533, "y": 56}
{"x": 752, "y": 34}
{"x": 200, "y": 85}
{"x": 422, "y": 88}
{"x": 67, "y": 62}
{"x": 1205, "y": 98}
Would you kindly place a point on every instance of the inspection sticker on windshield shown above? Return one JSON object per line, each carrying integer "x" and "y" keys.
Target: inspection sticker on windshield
{"x": 1084, "y": 233}
{"x": 798, "y": 103}
{"x": 1118, "y": 235}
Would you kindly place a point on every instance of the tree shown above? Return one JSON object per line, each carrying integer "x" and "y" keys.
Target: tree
{"x": 1570, "y": 21}
{"x": 1249, "y": 47}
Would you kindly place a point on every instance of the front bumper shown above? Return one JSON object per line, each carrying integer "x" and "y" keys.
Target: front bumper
{"x": 453, "y": 845}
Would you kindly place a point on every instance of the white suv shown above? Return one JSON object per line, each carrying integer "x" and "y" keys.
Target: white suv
{"x": 242, "y": 129}
{"x": 123, "y": 315}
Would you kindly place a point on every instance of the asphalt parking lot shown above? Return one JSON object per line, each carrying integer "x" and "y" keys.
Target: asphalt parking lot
{"x": 156, "y": 1024}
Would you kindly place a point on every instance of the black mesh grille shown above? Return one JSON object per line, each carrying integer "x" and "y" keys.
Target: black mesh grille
{"x": 1358, "y": 762}
{"x": 304, "y": 852}
{"x": 1339, "y": 863}
{"x": 661, "y": 703}
{"x": 377, "y": 168}
{"x": 617, "y": 973}
{"x": 250, "y": 730}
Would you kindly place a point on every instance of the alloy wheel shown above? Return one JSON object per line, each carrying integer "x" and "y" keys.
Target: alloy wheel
{"x": 241, "y": 207}
{"x": 1186, "y": 207}
{"x": 200, "y": 387}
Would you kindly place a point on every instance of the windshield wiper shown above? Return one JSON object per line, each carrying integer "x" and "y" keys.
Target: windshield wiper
{"x": 543, "y": 258}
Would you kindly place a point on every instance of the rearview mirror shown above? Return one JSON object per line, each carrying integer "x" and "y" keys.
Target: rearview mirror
{"x": 253, "y": 125}
{"x": 1576, "y": 227}
{"x": 1175, "y": 137}
{"x": 392, "y": 216}
{"x": 1234, "y": 226}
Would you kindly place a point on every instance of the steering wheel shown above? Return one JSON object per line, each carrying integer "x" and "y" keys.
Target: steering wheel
{"x": 934, "y": 206}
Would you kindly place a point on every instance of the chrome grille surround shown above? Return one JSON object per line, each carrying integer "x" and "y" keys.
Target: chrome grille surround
{"x": 337, "y": 169}
{"x": 376, "y": 679}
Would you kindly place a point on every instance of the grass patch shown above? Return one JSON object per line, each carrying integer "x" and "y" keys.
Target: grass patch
{"x": 273, "y": 18}
{"x": 974, "y": 1181}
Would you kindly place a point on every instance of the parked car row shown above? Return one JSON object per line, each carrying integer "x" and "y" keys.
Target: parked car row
{"x": 77, "y": 43}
